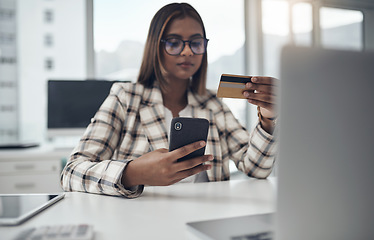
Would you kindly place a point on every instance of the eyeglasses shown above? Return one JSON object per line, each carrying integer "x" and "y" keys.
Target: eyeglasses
{"x": 174, "y": 46}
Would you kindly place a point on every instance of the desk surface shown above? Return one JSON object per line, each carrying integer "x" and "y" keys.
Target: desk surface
{"x": 34, "y": 152}
{"x": 160, "y": 212}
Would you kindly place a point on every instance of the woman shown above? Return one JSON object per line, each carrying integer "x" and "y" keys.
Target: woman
{"x": 125, "y": 145}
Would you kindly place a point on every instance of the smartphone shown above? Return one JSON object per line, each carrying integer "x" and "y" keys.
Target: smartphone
{"x": 184, "y": 131}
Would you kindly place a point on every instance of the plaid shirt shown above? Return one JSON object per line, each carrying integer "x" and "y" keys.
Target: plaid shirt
{"x": 131, "y": 123}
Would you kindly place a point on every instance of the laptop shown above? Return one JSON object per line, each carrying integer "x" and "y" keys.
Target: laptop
{"x": 325, "y": 162}
{"x": 251, "y": 227}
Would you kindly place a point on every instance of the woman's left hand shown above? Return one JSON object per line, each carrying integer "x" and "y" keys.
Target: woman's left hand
{"x": 262, "y": 91}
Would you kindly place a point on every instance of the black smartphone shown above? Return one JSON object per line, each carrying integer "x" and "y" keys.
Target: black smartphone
{"x": 184, "y": 131}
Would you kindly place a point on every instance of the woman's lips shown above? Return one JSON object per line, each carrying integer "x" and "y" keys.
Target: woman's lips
{"x": 185, "y": 64}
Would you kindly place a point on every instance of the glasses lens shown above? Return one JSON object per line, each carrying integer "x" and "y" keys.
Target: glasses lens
{"x": 173, "y": 46}
{"x": 198, "y": 46}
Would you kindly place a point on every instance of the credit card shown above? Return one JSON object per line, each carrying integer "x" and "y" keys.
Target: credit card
{"x": 232, "y": 86}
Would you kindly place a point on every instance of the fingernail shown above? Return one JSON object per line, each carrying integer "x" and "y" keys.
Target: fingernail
{"x": 210, "y": 158}
{"x": 249, "y": 85}
{"x": 246, "y": 94}
{"x": 254, "y": 79}
{"x": 209, "y": 167}
{"x": 202, "y": 143}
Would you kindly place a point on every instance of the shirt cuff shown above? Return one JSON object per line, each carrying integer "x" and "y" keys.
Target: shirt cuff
{"x": 131, "y": 192}
{"x": 265, "y": 134}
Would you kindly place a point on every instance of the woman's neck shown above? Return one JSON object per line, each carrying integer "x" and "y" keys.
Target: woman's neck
{"x": 175, "y": 97}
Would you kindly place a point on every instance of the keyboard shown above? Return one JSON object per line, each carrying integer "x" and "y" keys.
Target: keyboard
{"x": 58, "y": 232}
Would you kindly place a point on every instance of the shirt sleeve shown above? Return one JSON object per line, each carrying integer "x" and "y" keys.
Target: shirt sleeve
{"x": 91, "y": 167}
{"x": 253, "y": 153}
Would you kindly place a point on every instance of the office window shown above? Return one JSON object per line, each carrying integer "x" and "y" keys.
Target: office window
{"x": 8, "y": 133}
{"x": 119, "y": 43}
{"x": 341, "y": 28}
{"x": 48, "y": 16}
{"x": 7, "y": 84}
{"x": 49, "y": 64}
{"x": 48, "y": 40}
{"x": 7, "y": 108}
{"x": 302, "y": 24}
{"x": 7, "y": 38}
{"x": 275, "y": 27}
{"x": 6, "y": 14}
{"x": 7, "y": 60}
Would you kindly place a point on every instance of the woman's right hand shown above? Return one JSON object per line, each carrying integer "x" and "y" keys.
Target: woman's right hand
{"x": 161, "y": 168}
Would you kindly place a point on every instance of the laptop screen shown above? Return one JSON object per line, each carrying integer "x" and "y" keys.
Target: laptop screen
{"x": 325, "y": 174}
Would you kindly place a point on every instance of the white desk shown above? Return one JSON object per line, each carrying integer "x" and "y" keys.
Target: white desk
{"x": 160, "y": 212}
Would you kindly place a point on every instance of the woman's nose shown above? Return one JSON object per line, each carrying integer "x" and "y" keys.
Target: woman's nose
{"x": 186, "y": 50}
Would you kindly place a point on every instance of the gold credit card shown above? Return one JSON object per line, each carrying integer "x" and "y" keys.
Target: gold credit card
{"x": 232, "y": 86}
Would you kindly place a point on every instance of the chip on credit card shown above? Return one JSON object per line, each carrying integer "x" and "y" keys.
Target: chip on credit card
{"x": 232, "y": 86}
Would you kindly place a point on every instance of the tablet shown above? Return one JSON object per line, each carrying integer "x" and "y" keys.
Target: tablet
{"x": 16, "y": 208}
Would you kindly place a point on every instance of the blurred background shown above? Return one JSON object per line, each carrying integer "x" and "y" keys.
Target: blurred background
{"x": 75, "y": 40}
{"x": 58, "y": 59}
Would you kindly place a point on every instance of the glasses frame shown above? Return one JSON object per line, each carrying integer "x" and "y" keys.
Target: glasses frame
{"x": 184, "y": 45}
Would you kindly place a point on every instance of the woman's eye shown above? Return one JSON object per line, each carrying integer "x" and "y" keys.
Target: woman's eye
{"x": 173, "y": 43}
{"x": 196, "y": 44}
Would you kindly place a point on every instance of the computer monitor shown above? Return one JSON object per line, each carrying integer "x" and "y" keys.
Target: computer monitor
{"x": 72, "y": 104}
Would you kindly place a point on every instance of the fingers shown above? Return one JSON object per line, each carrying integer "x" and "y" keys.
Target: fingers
{"x": 268, "y": 106}
{"x": 262, "y": 84}
{"x": 185, "y": 150}
{"x": 261, "y": 91}
{"x": 260, "y": 96}
{"x": 191, "y": 171}
{"x": 193, "y": 162}
{"x": 162, "y": 168}
{"x": 264, "y": 80}
{"x": 260, "y": 99}
{"x": 188, "y": 167}
{"x": 190, "y": 163}
{"x": 192, "y": 166}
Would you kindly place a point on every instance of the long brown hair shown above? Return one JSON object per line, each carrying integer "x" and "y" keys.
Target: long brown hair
{"x": 151, "y": 68}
